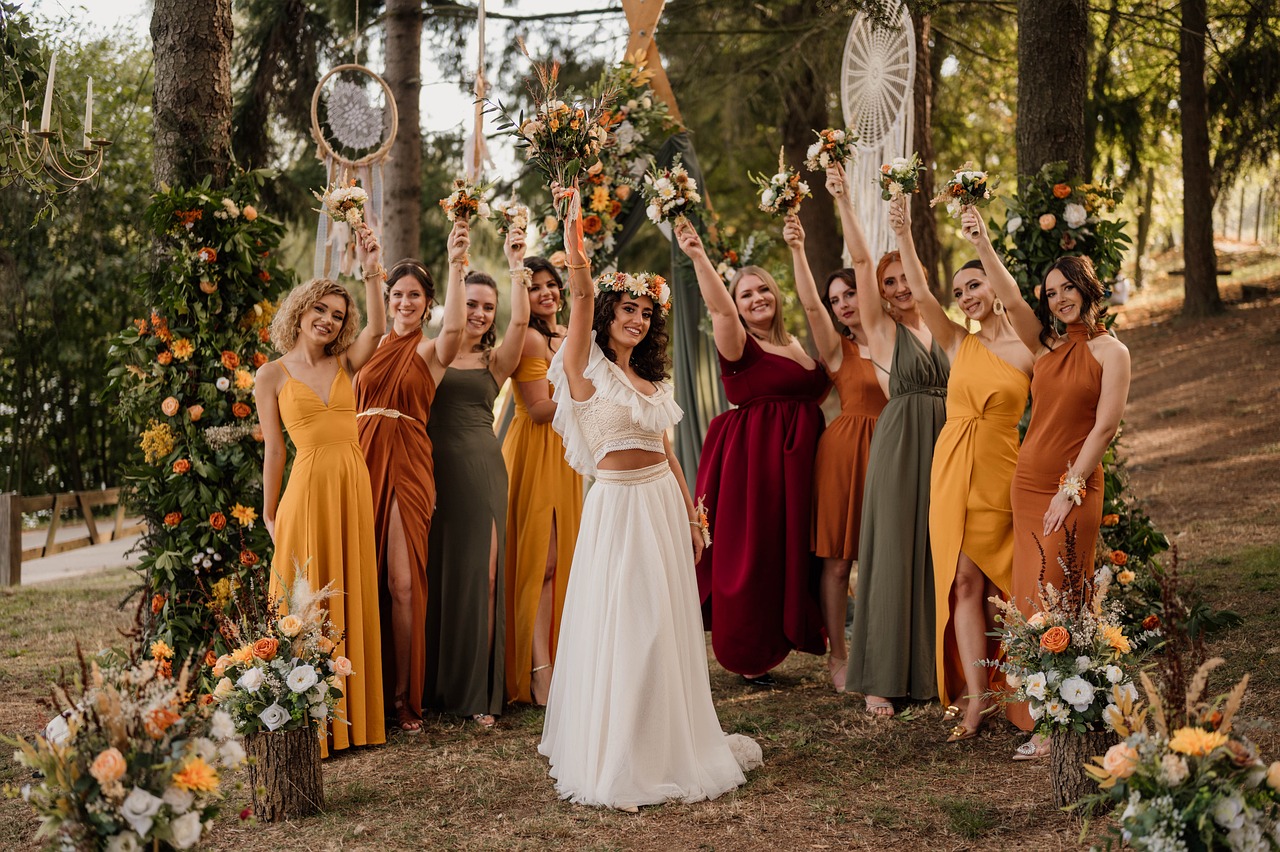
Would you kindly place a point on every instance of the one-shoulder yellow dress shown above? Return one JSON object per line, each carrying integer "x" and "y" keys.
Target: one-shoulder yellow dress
{"x": 542, "y": 489}
{"x": 969, "y": 508}
{"x": 324, "y": 525}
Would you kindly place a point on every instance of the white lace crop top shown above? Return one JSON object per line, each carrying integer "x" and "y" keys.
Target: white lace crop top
{"x": 616, "y": 417}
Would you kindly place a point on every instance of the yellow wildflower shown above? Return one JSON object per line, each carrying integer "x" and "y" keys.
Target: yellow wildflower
{"x": 157, "y": 441}
{"x": 244, "y": 379}
{"x": 242, "y": 655}
{"x": 196, "y": 776}
{"x": 1115, "y": 637}
{"x": 182, "y": 348}
{"x": 244, "y": 515}
{"x": 1196, "y": 741}
{"x": 161, "y": 651}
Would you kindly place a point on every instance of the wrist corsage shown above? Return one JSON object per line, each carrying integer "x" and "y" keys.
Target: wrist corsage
{"x": 700, "y": 521}
{"x": 1072, "y": 485}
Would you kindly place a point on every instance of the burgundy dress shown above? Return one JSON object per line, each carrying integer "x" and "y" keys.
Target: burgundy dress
{"x": 756, "y": 580}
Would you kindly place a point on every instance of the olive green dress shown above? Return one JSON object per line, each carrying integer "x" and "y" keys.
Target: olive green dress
{"x": 892, "y": 653}
{"x": 465, "y": 674}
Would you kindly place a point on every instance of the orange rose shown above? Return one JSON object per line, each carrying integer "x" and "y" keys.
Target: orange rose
{"x": 173, "y": 519}
{"x": 1110, "y": 520}
{"x": 249, "y": 212}
{"x": 1055, "y": 640}
{"x": 182, "y": 466}
{"x": 241, "y": 410}
{"x": 615, "y": 207}
{"x": 1151, "y": 622}
{"x": 264, "y": 335}
{"x": 108, "y": 766}
{"x": 592, "y": 224}
{"x": 1061, "y": 190}
{"x": 1119, "y": 557}
{"x": 159, "y": 720}
{"x": 1047, "y": 221}
{"x": 230, "y": 360}
{"x": 208, "y": 287}
{"x": 248, "y": 557}
{"x": 165, "y": 358}
{"x": 170, "y": 406}
{"x": 210, "y": 658}
{"x": 259, "y": 358}
{"x": 325, "y": 645}
{"x": 217, "y": 520}
{"x": 195, "y": 412}
{"x": 623, "y": 192}
{"x": 157, "y": 604}
{"x": 207, "y": 700}
{"x": 265, "y": 648}
{"x": 207, "y": 254}
{"x": 264, "y": 275}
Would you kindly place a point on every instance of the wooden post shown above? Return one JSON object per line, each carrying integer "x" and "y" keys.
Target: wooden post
{"x": 1068, "y": 754}
{"x": 10, "y": 539}
{"x": 642, "y": 18}
{"x": 284, "y": 773}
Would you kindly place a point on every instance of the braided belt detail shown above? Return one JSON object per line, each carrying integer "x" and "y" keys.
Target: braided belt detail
{"x": 385, "y": 412}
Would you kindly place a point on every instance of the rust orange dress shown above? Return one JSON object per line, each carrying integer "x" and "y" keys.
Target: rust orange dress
{"x": 1065, "y": 389}
{"x": 393, "y": 397}
{"x": 324, "y": 526}
{"x": 840, "y": 468}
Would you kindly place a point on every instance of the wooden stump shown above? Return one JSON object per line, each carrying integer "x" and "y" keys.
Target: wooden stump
{"x": 284, "y": 773}
{"x": 1069, "y": 752}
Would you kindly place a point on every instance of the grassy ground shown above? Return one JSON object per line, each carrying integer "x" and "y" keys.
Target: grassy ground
{"x": 1202, "y": 447}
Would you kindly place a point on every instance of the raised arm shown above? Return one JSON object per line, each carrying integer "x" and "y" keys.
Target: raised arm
{"x": 266, "y": 393}
{"x": 821, "y": 326}
{"x": 369, "y": 253}
{"x": 854, "y": 240}
{"x": 726, "y": 328}
{"x": 1025, "y": 322}
{"x": 947, "y": 332}
{"x": 446, "y": 345}
{"x": 507, "y": 354}
{"x": 577, "y": 343}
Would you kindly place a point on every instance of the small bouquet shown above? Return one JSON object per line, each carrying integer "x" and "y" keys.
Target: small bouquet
{"x": 284, "y": 674}
{"x": 1069, "y": 660}
{"x": 670, "y": 193}
{"x": 968, "y": 187}
{"x": 343, "y": 203}
{"x": 833, "y": 146}
{"x": 464, "y": 202}
{"x": 132, "y": 762}
{"x": 900, "y": 176}
{"x": 730, "y": 257}
{"x": 703, "y": 524}
{"x": 508, "y": 215}
{"x": 781, "y": 193}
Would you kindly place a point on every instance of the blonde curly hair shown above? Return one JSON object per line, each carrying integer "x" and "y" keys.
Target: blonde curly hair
{"x": 288, "y": 318}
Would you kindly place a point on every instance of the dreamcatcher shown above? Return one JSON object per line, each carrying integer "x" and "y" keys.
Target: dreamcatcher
{"x": 354, "y": 122}
{"x": 876, "y": 91}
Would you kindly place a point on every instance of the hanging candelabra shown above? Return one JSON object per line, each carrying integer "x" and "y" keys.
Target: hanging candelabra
{"x": 43, "y": 157}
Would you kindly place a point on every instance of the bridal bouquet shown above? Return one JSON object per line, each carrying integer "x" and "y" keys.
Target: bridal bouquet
{"x": 343, "y": 203}
{"x": 670, "y": 193}
{"x": 968, "y": 187}
{"x": 833, "y": 146}
{"x": 466, "y": 201}
{"x": 900, "y": 176}
{"x": 284, "y": 673}
{"x": 1070, "y": 659}
{"x": 131, "y": 763}
{"x": 508, "y": 215}
{"x": 781, "y": 193}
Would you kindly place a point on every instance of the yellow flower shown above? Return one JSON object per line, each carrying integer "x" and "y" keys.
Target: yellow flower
{"x": 224, "y": 689}
{"x": 157, "y": 441}
{"x": 600, "y": 199}
{"x": 244, "y": 379}
{"x": 1115, "y": 637}
{"x": 290, "y": 625}
{"x": 244, "y": 515}
{"x": 1273, "y": 775}
{"x": 196, "y": 776}
{"x": 1196, "y": 742}
{"x": 161, "y": 651}
{"x": 182, "y": 349}
{"x": 1125, "y": 577}
{"x": 242, "y": 655}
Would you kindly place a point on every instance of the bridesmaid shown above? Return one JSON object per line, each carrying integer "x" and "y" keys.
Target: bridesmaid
{"x": 465, "y": 648}
{"x": 970, "y": 522}
{"x": 1078, "y": 393}
{"x": 393, "y": 395}
{"x": 840, "y": 468}
{"x": 893, "y": 619}
{"x": 756, "y": 472}
{"x": 323, "y": 524}
{"x": 544, "y": 501}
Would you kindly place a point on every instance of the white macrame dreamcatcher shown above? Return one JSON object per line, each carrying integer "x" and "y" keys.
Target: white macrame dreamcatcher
{"x": 876, "y": 85}
{"x": 354, "y": 122}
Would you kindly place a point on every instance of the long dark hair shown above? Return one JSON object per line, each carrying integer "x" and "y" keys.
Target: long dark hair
{"x": 414, "y": 269}
{"x": 535, "y": 265}
{"x": 1079, "y": 272}
{"x": 490, "y": 337}
{"x": 649, "y": 358}
{"x": 849, "y": 277}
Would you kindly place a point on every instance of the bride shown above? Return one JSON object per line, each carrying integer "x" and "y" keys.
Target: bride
{"x": 629, "y": 717}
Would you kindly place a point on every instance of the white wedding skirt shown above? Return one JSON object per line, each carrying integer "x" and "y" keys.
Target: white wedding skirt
{"x": 629, "y": 717}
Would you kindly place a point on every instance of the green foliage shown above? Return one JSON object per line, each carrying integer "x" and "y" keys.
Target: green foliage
{"x": 183, "y": 381}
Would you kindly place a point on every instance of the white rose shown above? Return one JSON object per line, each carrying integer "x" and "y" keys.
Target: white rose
{"x": 1074, "y": 215}
{"x": 274, "y": 716}
{"x": 767, "y": 198}
{"x": 224, "y": 689}
{"x": 319, "y": 710}
{"x": 898, "y": 164}
{"x": 232, "y": 754}
{"x": 1077, "y": 692}
{"x": 802, "y": 187}
{"x": 1083, "y": 663}
{"x": 1036, "y": 684}
{"x": 1013, "y": 680}
{"x": 185, "y": 830}
{"x": 223, "y": 383}
{"x": 301, "y": 678}
{"x": 1112, "y": 716}
{"x": 1014, "y": 223}
{"x": 57, "y": 731}
{"x": 222, "y": 727}
{"x": 251, "y": 680}
{"x": 1128, "y": 690}
{"x": 1036, "y": 710}
{"x": 1114, "y": 674}
{"x": 483, "y": 210}
{"x": 178, "y": 800}
{"x": 125, "y": 841}
{"x": 139, "y": 809}
{"x": 1229, "y": 813}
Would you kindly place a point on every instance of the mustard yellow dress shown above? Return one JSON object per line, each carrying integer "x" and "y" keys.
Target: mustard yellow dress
{"x": 324, "y": 525}
{"x": 542, "y": 490}
{"x": 969, "y": 508}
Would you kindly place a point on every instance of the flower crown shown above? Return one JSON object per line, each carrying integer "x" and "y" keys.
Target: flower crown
{"x": 645, "y": 284}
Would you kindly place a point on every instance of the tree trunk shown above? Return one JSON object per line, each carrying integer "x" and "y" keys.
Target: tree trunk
{"x": 1098, "y": 88}
{"x": 1068, "y": 753}
{"x": 284, "y": 774}
{"x": 924, "y": 224}
{"x": 192, "y": 101}
{"x": 1053, "y": 78}
{"x": 1200, "y": 276}
{"x": 1144, "y": 225}
{"x": 402, "y": 214}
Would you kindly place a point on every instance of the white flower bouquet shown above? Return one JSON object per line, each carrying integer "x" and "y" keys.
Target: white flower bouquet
{"x": 833, "y": 146}
{"x": 285, "y": 673}
{"x": 343, "y": 203}
{"x": 782, "y": 192}
{"x": 900, "y": 176}
{"x": 508, "y": 215}
{"x": 464, "y": 202}
{"x": 669, "y": 194}
{"x": 131, "y": 763}
{"x": 968, "y": 187}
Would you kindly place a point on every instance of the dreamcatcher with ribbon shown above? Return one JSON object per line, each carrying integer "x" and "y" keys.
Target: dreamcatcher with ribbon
{"x": 354, "y": 122}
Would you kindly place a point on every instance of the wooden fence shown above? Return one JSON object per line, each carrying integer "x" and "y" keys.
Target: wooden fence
{"x": 13, "y": 506}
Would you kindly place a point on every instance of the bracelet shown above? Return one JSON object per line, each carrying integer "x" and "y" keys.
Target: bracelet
{"x": 577, "y": 265}
{"x": 522, "y": 275}
{"x": 381, "y": 270}
{"x": 701, "y": 523}
{"x": 1073, "y": 486}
